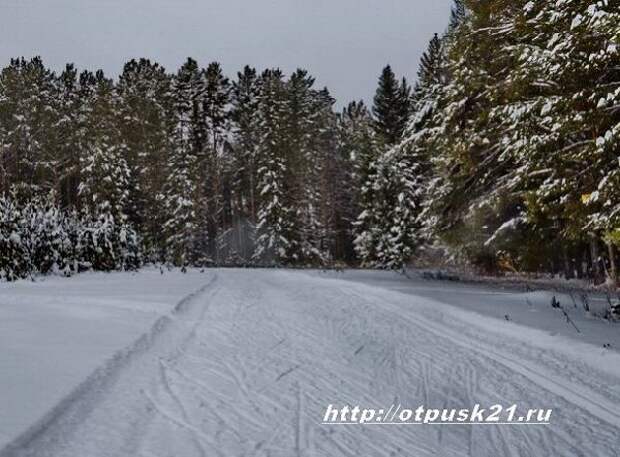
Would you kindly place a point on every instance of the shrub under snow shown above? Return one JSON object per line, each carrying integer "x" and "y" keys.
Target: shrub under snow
{"x": 37, "y": 237}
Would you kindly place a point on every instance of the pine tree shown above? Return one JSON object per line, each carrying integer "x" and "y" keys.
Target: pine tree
{"x": 38, "y": 237}
{"x": 404, "y": 103}
{"x": 182, "y": 191}
{"x": 423, "y": 130}
{"x": 568, "y": 134}
{"x": 145, "y": 93}
{"x": 28, "y": 117}
{"x": 275, "y": 216}
{"x": 243, "y": 163}
{"x": 70, "y": 134}
{"x": 470, "y": 197}
{"x": 389, "y": 226}
{"x": 104, "y": 170}
{"x": 333, "y": 184}
{"x": 245, "y": 95}
{"x": 387, "y": 229}
{"x": 358, "y": 150}
{"x": 457, "y": 15}
{"x": 215, "y": 213}
{"x": 304, "y": 168}
{"x": 425, "y": 96}
{"x": 14, "y": 262}
{"x": 391, "y": 107}
{"x": 323, "y": 197}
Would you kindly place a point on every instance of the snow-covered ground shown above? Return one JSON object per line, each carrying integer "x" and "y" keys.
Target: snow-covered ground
{"x": 531, "y": 309}
{"x": 248, "y": 360}
{"x": 55, "y": 332}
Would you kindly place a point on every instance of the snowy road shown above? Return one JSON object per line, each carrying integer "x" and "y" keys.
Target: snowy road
{"x": 247, "y": 365}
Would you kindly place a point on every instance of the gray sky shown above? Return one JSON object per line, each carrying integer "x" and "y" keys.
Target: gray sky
{"x": 343, "y": 43}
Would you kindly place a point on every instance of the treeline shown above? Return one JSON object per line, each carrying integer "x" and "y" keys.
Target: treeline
{"x": 202, "y": 170}
{"x": 505, "y": 153}
{"x": 513, "y": 146}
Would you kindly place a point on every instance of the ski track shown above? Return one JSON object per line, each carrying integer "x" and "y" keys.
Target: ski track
{"x": 247, "y": 365}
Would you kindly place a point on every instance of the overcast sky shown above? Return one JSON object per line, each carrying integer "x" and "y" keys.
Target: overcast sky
{"x": 343, "y": 43}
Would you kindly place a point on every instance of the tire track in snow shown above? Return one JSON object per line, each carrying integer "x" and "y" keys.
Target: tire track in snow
{"x": 580, "y": 396}
{"x": 50, "y": 432}
{"x": 577, "y": 395}
{"x": 229, "y": 366}
{"x": 197, "y": 436}
{"x": 434, "y": 338}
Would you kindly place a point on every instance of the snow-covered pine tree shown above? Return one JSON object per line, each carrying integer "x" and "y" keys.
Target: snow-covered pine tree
{"x": 389, "y": 228}
{"x": 107, "y": 243}
{"x": 358, "y": 149}
{"x": 470, "y": 194}
{"x": 457, "y": 15}
{"x": 568, "y": 132}
{"x": 357, "y": 139}
{"x": 370, "y": 223}
{"x": 104, "y": 239}
{"x": 275, "y": 217}
{"x": 214, "y": 213}
{"x": 423, "y": 130}
{"x": 129, "y": 245}
{"x": 14, "y": 262}
{"x": 70, "y": 135}
{"x": 97, "y": 243}
{"x": 44, "y": 236}
{"x": 182, "y": 189}
{"x": 404, "y": 103}
{"x": 405, "y": 178}
{"x": 27, "y": 120}
{"x": 144, "y": 88}
{"x": 243, "y": 163}
{"x": 390, "y": 197}
{"x": 104, "y": 169}
{"x": 305, "y": 166}
{"x": 426, "y": 94}
{"x": 332, "y": 171}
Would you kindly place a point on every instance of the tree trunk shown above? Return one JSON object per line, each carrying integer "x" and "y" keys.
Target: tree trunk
{"x": 569, "y": 273}
{"x": 579, "y": 262}
{"x": 596, "y": 264}
{"x": 613, "y": 267}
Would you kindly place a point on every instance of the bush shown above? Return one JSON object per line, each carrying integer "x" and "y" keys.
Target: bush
{"x": 37, "y": 237}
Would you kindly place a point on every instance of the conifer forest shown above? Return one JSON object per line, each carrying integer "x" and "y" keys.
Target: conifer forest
{"x": 503, "y": 155}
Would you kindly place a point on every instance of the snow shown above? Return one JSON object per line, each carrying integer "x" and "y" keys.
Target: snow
{"x": 249, "y": 360}
{"x": 509, "y": 226}
{"x": 57, "y": 331}
{"x": 527, "y": 310}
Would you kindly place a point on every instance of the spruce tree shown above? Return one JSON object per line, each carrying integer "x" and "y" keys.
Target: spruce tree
{"x": 425, "y": 95}
{"x": 391, "y": 107}
{"x": 404, "y": 103}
